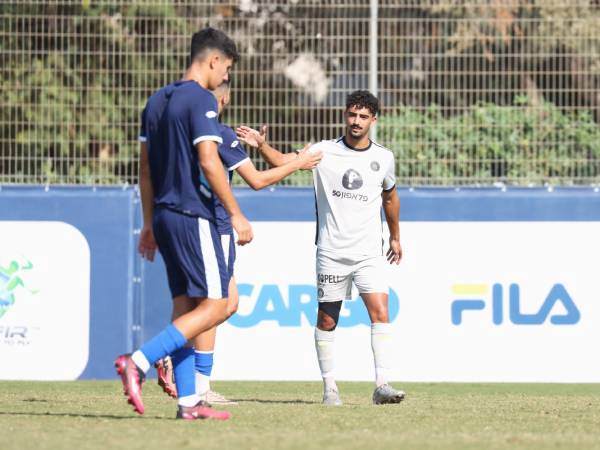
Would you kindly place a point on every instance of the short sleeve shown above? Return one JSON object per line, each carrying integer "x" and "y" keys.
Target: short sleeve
{"x": 143, "y": 136}
{"x": 389, "y": 180}
{"x": 231, "y": 151}
{"x": 204, "y": 120}
{"x": 320, "y": 146}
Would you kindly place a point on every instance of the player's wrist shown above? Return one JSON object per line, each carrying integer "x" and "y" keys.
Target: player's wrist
{"x": 236, "y": 215}
{"x": 299, "y": 161}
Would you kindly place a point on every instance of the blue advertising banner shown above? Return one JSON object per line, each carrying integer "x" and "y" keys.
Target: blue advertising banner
{"x": 486, "y": 271}
{"x": 105, "y": 219}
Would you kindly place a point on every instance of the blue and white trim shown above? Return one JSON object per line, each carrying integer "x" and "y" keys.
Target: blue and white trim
{"x": 211, "y": 264}
{"x": 208, "y": 137}
{"x": 238, "y": 164}
{"x": 226, "y": 243}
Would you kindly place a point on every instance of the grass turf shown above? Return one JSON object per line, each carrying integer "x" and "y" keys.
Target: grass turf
{"x": 271, "y": 415}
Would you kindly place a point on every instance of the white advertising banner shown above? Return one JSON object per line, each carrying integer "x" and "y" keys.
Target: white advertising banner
{"x": 44, "y": 301}
{"x": 470, "y": 301}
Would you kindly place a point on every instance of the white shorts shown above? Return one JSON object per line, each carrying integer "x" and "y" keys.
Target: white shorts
{"x": 335, "y": 276}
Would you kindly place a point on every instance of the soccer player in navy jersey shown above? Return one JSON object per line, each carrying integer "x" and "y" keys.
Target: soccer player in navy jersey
{"x": 234, "y": 157}
{"x": 179, "y": 155}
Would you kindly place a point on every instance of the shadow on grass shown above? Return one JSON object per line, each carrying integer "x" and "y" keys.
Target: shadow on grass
{"x": 282, "y": 402}
{"x": 89, "y": 416}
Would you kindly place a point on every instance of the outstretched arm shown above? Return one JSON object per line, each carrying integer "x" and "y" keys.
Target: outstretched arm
{"x": 258, "y": 140}
{"x": 257, "y": 179}
{"x": 391, "y": 208}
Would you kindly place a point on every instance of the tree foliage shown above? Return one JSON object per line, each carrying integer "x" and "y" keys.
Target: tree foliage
{"x": 75, "y": 76}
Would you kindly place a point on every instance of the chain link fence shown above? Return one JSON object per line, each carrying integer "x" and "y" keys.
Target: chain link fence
{"x": 473, "y": 92}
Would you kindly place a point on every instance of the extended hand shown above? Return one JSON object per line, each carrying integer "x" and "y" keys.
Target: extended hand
{"x": 243, "y": 229}
{"x": 147, "y": 245}
{"x": 252, "y": 137}
{"x": 310, "y": 159}
{"x": 394, "y": 254}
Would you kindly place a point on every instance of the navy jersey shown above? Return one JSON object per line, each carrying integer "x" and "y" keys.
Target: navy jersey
{"x": 233, "y": 155}
{"x": 175, "y": 119}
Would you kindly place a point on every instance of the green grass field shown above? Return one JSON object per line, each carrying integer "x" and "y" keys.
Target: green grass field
{"x": 94, "y": 415}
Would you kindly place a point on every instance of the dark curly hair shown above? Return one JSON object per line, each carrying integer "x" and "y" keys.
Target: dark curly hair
{"x": 363, "y": 99}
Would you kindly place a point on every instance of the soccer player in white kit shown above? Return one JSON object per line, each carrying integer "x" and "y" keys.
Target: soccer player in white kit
{"x": 353, "y": 181}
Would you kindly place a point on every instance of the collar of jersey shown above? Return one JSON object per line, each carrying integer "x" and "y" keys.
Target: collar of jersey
{"x": 354, "y": 148}
{"x": 180, "y": 82}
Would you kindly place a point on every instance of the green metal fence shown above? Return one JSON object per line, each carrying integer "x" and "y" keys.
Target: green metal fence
{"x": 473, "y": 92}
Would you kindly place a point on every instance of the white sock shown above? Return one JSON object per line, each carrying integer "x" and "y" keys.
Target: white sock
{"x": 324, "y": 341}
{"x": 188, "y": 400}
{"x": 202, "y": 383}
{"x": 381, "y": 343}
{"x": 141, "y": 361}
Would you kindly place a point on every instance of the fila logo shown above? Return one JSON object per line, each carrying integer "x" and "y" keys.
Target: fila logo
{"x": 558, "y": 294}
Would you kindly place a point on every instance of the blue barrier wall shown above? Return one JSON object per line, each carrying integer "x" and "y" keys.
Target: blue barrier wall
{"x": 129, "y": 298}
{"x": 107, "y": 218}
{"x": 442, "y": 204}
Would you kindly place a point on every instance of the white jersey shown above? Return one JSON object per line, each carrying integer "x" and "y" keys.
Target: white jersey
{"x": 348, "y": 186}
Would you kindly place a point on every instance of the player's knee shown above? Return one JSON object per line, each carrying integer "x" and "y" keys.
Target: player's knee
{"x": 232, "y": 308}
{"x": 224, "y": 313}
{"x": 326, "y": 324}
{"x": 328, "y": 316}
{"x": 219, "y": 311}
{"x": 379, "y": 313}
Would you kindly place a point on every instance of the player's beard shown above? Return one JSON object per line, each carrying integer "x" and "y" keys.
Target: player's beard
{"x": 358, "y": 134}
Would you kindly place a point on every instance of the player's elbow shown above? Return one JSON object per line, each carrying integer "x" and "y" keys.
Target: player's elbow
{"x": 258, "y": 184}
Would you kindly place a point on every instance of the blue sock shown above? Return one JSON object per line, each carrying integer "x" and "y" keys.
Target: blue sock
{"x": 163, "y": 344}
{"x": 183, "y": 367}
{"x": 204, "y": 362}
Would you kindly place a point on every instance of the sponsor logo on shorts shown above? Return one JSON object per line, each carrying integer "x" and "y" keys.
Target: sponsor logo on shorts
{"x": 330, "y": 279}
{"x": 350, "y": 196}
{"x": 352, "y": 180}
{"x": 375, "y": 166}
{"x": 234, "y": 144}
{"x": 211, "y": 114}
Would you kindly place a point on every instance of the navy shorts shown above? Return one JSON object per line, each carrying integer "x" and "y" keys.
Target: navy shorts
{"x": 192, "y": 248}
{"x": 228, "y": 244}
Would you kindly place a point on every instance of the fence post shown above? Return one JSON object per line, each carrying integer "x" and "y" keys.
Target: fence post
{"x": 373, "y": 53}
